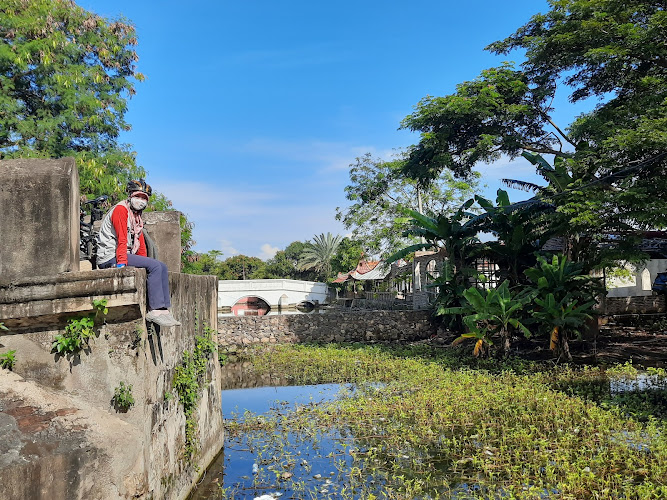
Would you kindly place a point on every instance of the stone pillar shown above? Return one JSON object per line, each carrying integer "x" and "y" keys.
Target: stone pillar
{"x": 164, "y": 228}
{"x": 39, "y": 225}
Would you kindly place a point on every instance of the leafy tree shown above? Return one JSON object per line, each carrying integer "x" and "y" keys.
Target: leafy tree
{"x": 378, "y": 189}
{"x": 66, "y": 75}
{"x": 284, "y": 264}
{"x": 242, "y": 267}
{"x": 206, "y": 263}
{"x": 279, "y": 266}
{"x": 497, "y": 113}
{"x": 348, "y": 255}
{"x": 319, "y": 254}
{"x": 614, "y": 50}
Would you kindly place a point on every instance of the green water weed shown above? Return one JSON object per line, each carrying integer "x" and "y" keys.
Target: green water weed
{"x": 433, "y": 430}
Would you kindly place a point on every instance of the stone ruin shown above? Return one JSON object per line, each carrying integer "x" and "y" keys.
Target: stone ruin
{"x": 60, "y": 434}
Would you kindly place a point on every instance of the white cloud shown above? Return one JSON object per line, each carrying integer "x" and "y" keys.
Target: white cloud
{"x": 227, "y": 249}
{"x": 267, "y": 251}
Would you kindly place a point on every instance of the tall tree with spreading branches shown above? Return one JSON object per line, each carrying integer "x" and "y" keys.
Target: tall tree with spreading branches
{"x": 379, "y": 192}
{"x": 613, "y": 50}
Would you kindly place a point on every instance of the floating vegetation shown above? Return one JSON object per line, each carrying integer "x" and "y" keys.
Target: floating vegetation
{"x": 444, "y": 425}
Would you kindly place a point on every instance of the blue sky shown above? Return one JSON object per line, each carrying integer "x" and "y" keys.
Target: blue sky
{"x": 252, "y": 110}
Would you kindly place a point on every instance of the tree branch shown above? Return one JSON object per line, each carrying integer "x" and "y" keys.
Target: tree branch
{"x": 563, "y": 134}
{"x": 545, "y": 150}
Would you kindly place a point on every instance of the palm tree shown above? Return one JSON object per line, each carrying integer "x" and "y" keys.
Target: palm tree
{"x": 318, "y": 255}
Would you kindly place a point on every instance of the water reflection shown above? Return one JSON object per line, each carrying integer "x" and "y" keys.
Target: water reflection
{"x": 245, "y": 471}
{"x": 276, "y": 311}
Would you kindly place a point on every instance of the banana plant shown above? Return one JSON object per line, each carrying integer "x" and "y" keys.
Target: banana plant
{"x": 496, "y": 311}
{"x": 561, "y": 318}
{"x": 457, "y": 235}
{"x": 564, "y": 278}
{"x": 520, "y": 228}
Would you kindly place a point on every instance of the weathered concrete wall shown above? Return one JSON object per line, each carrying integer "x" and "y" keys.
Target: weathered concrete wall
{"x": 639, "y": 282}
{"x": 60, "y": 437}
{"x": 362, "y": 326}
{"x": 165, "y": 229}
{"x": 40, "y": 217}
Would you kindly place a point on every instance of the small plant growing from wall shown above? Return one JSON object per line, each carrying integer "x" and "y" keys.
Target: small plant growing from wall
{"x": 80, "y": 330}
{"x": 123, "y": 399}
{"x": 7, "y": 360}
{"x": 189, "y": 380}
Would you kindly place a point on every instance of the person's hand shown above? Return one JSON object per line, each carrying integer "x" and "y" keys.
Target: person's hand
{"x": 120, "y": 265}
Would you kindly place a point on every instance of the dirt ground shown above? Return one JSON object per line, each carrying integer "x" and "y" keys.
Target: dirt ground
{"x": 641, "y": 339}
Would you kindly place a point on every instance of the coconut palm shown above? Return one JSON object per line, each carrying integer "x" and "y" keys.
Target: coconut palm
{"x": 318, "y": 254}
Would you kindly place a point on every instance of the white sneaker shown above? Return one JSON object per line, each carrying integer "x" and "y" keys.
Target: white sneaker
{"x": 166, "y": 320}
{"x": 175, "y": 322}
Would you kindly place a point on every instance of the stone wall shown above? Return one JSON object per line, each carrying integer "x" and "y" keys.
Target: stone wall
{"x": 362, "y": 326}
{"x": 164, "y": 228}
{"x": 634, "y": 305}
{"x": 60, "y": 435}
{"x": 39, "y": 224}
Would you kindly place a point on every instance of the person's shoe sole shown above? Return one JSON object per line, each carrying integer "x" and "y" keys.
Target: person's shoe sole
{"x": 161, "y": 319}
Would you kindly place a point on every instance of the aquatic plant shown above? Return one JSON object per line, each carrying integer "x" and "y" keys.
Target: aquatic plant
{"x": 440, "y": 426}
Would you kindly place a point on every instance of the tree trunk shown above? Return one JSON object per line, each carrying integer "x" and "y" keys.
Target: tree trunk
{"x": 505, "y": 340}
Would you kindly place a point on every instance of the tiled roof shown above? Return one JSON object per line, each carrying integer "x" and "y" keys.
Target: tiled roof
{"x": 365, "y": 266}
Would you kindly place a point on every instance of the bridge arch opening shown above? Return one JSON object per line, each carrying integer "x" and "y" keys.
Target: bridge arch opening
{"x": 305, "y": 306}
{"x": 250, "y": 306}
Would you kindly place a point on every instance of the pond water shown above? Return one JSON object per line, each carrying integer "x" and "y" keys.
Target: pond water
{"x": 282, "y": 464}
{"x": 241, "y": 471}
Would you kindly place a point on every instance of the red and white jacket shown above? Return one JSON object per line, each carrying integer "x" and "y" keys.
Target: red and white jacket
{"x": 115, "y": 238}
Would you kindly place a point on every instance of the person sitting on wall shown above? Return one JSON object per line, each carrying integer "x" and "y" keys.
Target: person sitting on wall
{"x": 121, "y": 242}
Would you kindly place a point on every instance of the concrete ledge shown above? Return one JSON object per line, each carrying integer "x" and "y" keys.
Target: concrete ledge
{"x": 51, "y": 300}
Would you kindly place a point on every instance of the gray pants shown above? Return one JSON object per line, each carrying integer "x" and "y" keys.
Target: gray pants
{"x": 157, "y": 279}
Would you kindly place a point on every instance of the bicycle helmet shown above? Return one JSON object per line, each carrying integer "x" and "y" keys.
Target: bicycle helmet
{"x": 139, "y": 186}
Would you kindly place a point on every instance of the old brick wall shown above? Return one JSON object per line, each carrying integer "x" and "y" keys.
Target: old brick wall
{"x": 361, "y": 326}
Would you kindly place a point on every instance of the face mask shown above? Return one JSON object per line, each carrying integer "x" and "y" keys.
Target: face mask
{"x": 138, "y": 204}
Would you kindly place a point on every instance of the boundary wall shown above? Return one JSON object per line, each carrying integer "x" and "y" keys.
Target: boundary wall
{"x": 361, "y": 326}
{"x": 60, "y": 435}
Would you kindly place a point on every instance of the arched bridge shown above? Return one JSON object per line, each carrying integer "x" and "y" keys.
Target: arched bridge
{"x": 278, "y": 294}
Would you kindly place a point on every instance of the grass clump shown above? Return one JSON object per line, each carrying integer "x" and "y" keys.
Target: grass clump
{"x": 441, "y": 426}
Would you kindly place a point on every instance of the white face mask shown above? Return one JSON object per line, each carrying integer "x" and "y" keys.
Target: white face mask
{"x": 137, "y": 203}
